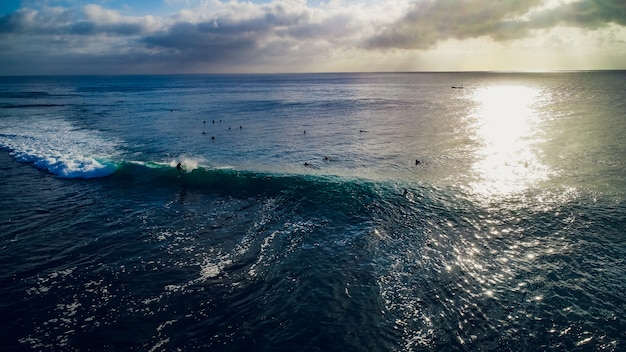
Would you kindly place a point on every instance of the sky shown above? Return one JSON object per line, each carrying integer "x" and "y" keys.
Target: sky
{"x": 272, "y": 36}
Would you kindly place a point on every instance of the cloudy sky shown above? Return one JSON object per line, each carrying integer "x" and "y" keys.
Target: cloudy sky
{"x": 256, "y": 36}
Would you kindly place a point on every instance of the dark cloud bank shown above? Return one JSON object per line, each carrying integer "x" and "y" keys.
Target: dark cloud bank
{"x": 428, "y": 23}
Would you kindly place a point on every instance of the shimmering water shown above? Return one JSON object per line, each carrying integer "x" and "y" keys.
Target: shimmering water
{"x": 351, "y": 212}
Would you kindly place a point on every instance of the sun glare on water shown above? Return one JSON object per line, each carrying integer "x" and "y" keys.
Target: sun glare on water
{"x": 506, "y": 129}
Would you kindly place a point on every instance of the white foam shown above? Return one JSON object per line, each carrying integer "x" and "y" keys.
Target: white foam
{"x": 188, "y": 163}
{"x": 60, "y": 148}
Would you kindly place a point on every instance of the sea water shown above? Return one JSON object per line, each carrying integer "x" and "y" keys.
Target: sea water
{"x": 316, "y": 212}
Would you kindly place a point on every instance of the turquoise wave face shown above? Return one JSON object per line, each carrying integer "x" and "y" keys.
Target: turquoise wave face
{"x": 335, "y": 192}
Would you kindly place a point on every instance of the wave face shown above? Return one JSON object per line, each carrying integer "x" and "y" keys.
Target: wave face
{"x": 508, "y": 234}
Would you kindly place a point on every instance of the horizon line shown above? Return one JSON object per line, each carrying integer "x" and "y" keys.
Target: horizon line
{"x": 308, "y": 73}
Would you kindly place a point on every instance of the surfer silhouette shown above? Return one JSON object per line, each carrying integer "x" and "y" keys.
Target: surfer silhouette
{"x": 179, "y": 167}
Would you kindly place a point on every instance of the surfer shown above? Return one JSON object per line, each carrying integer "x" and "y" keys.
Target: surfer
{"x": 179, "y": 167}
{"x": 408, "y": 195}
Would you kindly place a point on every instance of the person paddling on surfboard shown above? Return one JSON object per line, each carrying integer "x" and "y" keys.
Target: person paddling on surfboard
{"x": 179, "y": 167}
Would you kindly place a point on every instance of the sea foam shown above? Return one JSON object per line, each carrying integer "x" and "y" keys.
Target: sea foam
{"x": 61, "y": 149}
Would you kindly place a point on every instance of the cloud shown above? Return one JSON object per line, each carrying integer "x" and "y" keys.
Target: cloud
{"x": 189, "y": 42}
{"x": 587, "y": 14}
{"x": 427, "y": 23}
{"x": 92, "y": 20}
{"x": 226, "y": 35}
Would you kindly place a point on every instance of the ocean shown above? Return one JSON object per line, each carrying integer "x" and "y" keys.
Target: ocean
{"x": 479, "y": 211}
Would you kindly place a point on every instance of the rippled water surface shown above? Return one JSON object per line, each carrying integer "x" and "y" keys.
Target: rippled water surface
{"x": 352, "y": 212}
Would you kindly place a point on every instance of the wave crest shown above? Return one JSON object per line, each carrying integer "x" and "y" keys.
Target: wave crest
{"x": 61, "y": 149}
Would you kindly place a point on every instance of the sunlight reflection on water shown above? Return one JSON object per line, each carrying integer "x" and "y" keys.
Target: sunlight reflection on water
{"x": 506, "y": 126}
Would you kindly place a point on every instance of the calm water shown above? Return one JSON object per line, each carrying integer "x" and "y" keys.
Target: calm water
{"x": 347, "y": 212}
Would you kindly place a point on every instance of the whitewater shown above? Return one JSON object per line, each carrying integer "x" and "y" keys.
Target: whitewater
{"x": 349, "y": 212}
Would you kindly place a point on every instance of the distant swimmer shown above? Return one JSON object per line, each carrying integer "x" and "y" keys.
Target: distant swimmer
{"x": 179, "y": 167}
{"x": 417, "y": 162}
{"x": 310, "y": 165}
{"x": 203, "y": 132}
{"x": 361, "y": 131}
{"x": 212, "y": 137}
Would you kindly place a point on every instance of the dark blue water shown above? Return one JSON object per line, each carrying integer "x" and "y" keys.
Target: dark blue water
{"x": 303, "y": 221}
